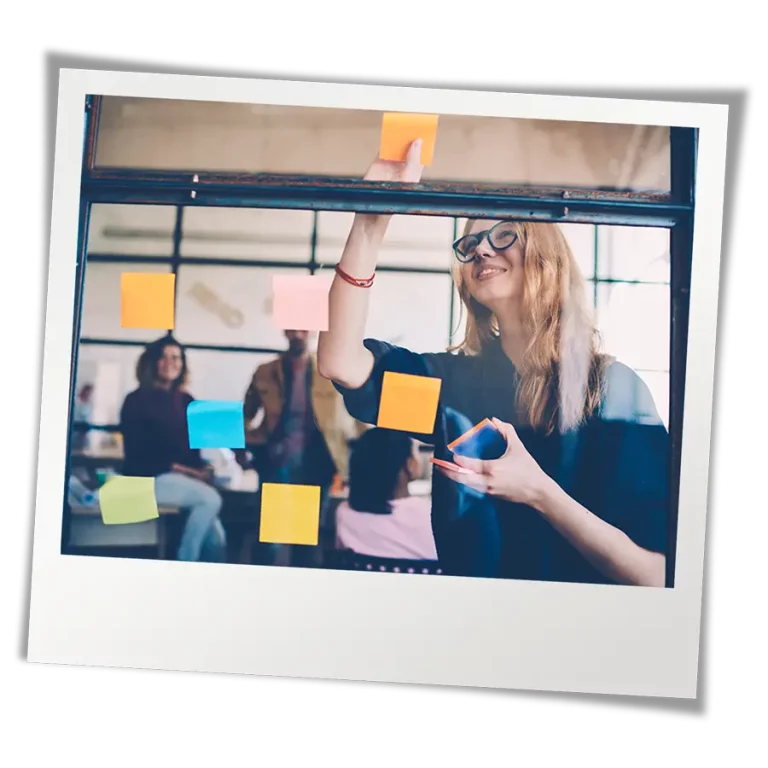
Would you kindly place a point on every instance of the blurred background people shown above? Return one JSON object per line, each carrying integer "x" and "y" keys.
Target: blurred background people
{"x": 153, "y": 421}
{"x": 304, "y": 433}
{"x": 83, "y": 415}
{"x": 381, "y": 517}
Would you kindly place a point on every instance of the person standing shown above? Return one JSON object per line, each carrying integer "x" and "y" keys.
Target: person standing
{"x": 304, "y": 434}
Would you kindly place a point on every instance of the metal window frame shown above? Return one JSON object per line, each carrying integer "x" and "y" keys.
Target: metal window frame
{"x": 673, "y": 210}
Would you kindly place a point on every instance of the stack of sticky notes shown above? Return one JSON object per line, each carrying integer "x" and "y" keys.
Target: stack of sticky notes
{"x": 147, "y": 300}
{"x": 483, "y": 441}
{"x": 400, "y": 129}
{"x": 408, "y": 403}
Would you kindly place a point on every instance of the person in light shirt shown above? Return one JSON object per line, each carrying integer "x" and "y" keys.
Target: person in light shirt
{"x": 381, "y": 518}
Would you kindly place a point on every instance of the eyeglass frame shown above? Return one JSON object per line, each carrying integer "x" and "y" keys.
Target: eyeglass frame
{"x": 484, "y": 234}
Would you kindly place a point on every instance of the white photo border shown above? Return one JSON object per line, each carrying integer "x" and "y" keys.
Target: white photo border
{"x": 360, "y": 626}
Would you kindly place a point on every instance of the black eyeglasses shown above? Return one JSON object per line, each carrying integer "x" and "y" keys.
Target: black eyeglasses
{"x": 501, "y": 236}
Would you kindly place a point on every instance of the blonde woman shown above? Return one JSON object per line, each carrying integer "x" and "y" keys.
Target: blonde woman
{"x": 581, "y": 493}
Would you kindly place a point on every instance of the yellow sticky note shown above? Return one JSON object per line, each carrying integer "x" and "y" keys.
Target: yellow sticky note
{"x": 408, "y": 403}
{"x": 290, "y": 514}
{"x": 147, "y": 300}
{"x": 399, "y": 130}
{"x": 124, "y": 499}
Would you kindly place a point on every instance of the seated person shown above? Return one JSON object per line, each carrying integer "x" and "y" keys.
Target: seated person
{"x": 381, "y": 518}
{"x": 153, "y": 421}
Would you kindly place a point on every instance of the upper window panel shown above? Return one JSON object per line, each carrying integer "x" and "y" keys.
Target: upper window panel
{"x": 132, "y": 230}
{"x": 247, "y": 233}
{"x": 167, "y": 134}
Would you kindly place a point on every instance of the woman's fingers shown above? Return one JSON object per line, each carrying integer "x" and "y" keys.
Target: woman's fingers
{"x": 474, "y": 465}
{"x": 478, "y": 482}
{"x": 414, "y": 153}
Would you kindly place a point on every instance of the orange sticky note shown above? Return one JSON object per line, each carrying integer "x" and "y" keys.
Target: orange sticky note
{"x": 408, "y": 403}
{"x": 147, "y": 300}
{"x": 290, "y": 514}
{"x": 300, "y": 302}
{"x": 400, "y": 129}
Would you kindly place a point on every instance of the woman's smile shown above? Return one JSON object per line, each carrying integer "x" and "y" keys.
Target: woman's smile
{"x": 483, "y": 272}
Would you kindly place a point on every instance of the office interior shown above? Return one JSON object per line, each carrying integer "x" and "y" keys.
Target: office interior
{"x": 224, "y": 258}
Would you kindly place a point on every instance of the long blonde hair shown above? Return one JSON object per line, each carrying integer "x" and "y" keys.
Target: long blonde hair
{"x": 561, "y": 373}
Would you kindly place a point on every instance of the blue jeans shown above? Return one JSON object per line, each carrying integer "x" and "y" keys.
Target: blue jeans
{"x": 203, "y": 538}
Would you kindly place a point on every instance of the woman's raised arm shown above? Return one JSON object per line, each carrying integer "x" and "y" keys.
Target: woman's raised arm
{"x": 342, "y": 357}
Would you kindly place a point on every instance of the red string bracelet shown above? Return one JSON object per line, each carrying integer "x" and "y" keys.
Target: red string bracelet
{"x": 360, "y": 283}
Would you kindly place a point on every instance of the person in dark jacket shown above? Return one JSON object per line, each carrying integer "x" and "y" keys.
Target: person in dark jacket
{"x": 153, "y": 421}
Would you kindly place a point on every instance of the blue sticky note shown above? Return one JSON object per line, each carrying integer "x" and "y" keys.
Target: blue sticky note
{"x": 215, "y": 424}
{"x": 483, "y": 441}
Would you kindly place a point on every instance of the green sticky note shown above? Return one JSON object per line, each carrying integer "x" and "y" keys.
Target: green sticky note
{"x": 124, "y": 499}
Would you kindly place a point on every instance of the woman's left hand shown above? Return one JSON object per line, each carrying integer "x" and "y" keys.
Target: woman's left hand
{"x": 514, "y": 477}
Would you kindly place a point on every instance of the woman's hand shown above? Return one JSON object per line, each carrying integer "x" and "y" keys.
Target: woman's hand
{"x": 514, "y": 477}
{"x": 205, "y": 475}
{"x": 408, "y": 171}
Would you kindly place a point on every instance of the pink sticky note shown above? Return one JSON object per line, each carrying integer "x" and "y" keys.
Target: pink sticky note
{"x": 300, "y": 302}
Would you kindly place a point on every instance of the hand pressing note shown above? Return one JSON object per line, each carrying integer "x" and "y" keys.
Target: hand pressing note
{"x": 408, "y": 171}
{"x": 514, "y": 477}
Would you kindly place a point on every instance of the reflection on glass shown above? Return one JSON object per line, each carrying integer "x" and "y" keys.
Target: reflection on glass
{"x": 228, "y": 306}
{"x": 634, "y": 253}
{"x": 216, "y": 375}
{"x": 112, "y": 372}
{"x": 634, "y": 324}
{"x": 101, "y": 301}
{"x": 418, "y": 324}
{"x": 581, "y": 239}
{"x": 411, "y": 241}
{"x": 131, "y": 230}
{"x": 257, "y": 138}
{"x": 254, "y": 234}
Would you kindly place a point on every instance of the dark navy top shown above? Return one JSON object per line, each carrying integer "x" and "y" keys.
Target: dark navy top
{"x": 154, "y": 426}
{"x": 616, "y": 465}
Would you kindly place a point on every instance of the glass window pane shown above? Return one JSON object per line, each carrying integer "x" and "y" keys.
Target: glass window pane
{"x": 228, "y": 306}
{"x": 112, "y": 372}
{"x": 411, "y": 241}
{"x": 658, "y": 383}
{"x": 101, "y": 301}
{"x": 581, "y": 239}
{"x": 215, "y": 375}
{"x": 411, "y": 311}
{"x": 240, "y": 233}
{"x": 633, "y": 253}
{"x": 132, "y": 230}
{"x": 256, "y": 138}
{"x": 634, "y": 324}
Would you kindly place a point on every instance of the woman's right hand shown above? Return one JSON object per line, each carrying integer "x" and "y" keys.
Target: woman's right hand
{"x": 342, "y": 357}
{"x": 408, "y": 171}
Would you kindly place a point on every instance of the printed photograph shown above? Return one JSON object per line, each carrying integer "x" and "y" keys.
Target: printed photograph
{"x": 431, "y": 345}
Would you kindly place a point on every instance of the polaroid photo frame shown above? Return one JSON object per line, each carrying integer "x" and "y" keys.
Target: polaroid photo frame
{"x": 383, "y": 627}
